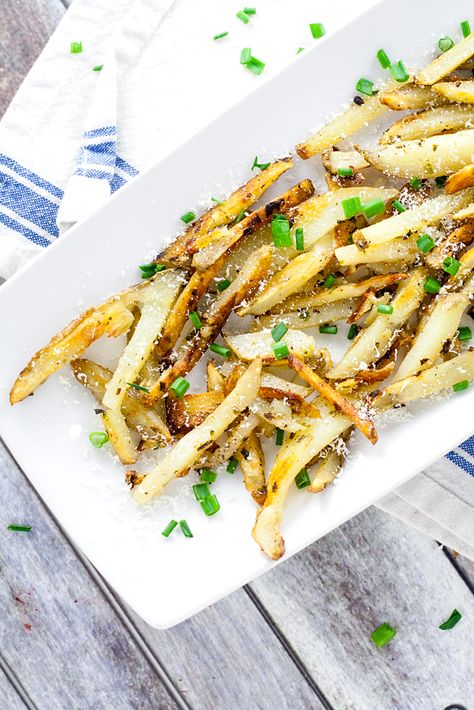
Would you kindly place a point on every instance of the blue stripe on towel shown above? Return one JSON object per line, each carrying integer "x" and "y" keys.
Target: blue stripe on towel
{"x": 30, "y": 176}
{"x": 99, "y": 153}
{"x": 21, "y": 229}
{"x": 461, "y": 462}
{"x": 468, "y": 446}
{"x": 27, "y": 203}
{"x": 126, "y": 167}
{"x": 116, "y": 182}
{"x": 95, "y": 174}
{"x": 97, "y": 132}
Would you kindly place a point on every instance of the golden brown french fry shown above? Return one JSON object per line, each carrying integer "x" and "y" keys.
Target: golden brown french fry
{"x": 447, "y": 62}
{"x": 364, "y": 424}
{"x": 429, "y": 123}
{"x": 462, "y": 91}
{"x": 252, "y": 465}
{"x": 460, "y": 180}
{"x": 395, "y": 251}
{"x": 188, "y": 449}
{"x": 191, "y": 410}
{"x": 328, "y": 468}
{"x": 335, "y": 160}
{"x": 452, "y": 245}
{"x": 248, "y": 346}
{"x": 410, "y": 96}
{"x": 215, "y": 380}
{"x": 310, "y": 317}
{"x": 236, "y": 437}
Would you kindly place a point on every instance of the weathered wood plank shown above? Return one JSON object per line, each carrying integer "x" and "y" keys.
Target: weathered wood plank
{"x": 66, "y": 645}
{"x": 24, "y": 30}
{"x": 329, "y": 598}
{"x": 9, "y": 698}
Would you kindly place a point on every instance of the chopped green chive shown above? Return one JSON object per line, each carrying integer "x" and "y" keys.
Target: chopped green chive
{"x": 385, "y": 308}
{"x": 425, "y": 243}
{"x": 464, "y": 332}
{"x": 382, "y": 635}
{"x": 243, "y": 16}
{"x": 345, "y": 172}
{"x": 462, "y": 385}
{"x": 279, "y": 436}
{"x": 399, "y": 72}
{"x": 352, "y": 332}
{"x": 208, "y": 476}
{"x": 149, "y": 270}
{"x": 328, "y": 329}
{"x": 445, "y": 43}
{"x": 317, "y": 30}
{"x": 281, "y": 231}
{"x": 221, "y": 35}
{"x": 260, "y": 166}
{"x": 188, "y": 217}
{"x": 232, "y": 465}
{"x": 179, "y": 387}
{"x": 250, "y": 10}
{"x": 201, "y": 491}
{"x": 218, "y": 202}
{"x": 373, "y": 207}
{"x": 140, "y": 388}
{"x": 452, "y": 621}
{"x": 98, "y": 438}
{"x": 465, "y": 28}
{"x": 351, "y": 206}
{"x": 441, "y": 180}
{"x": 329, "y": 281}
{"x": 255, "y": 65}
{"x": 240, "y": 217}
{"x": 415, "y": 183}
{"x": 384, "y": 61}
{"x": 279, "y": 331}
{"x": 210, "y": 505}
{"x": 451, "y": 265}
{"x": 302, "y": 479}
{"x": 220, "y": 350}
{"x": 169, "y": 528}
{"x": 76, "y": 47}
{"x": 431, "y": 285}
{"x": 398, "y": 206}
{"x": 19, "y": 528}
{"x": 186, "y": 530}
{"x": 245, "y": 55}
{"x": 280, "y": 350}
{"x": 98, "y": 67}
{"x": 365, "y": 86}
{"x": 222, "y": 285}
{"x": 299, "y": 50}
{"x": 195, "y": 320}
{"x": 299, "y": 238}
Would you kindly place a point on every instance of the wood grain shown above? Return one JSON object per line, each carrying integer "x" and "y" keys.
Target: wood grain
{"x": 9, "y": 698}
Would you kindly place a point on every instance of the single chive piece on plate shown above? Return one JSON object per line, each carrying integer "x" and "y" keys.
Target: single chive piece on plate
{"x": 328, "y": 329}
{"x": 250, "y": 10}
{"x": 220, "y": 350}
{"x": 201, "y": 490}
{"x": 243, "y": 17}
{"x": 188, "y": 217}
{"x": 382, "y": 635}
{"x": 352, "y": 332}
{"x": 465, "y": 28}
{"x": 385, "y": 308}
{"x": 208, "y": 476}
{"x": 19, "y": 528}
{"x": 451, "y": 265}
{"x": 345, "y": 172}
{"x": 399, "y": 72}
{"x": 186, "y": 530}
{"x": 351, "y": 207}
{"x": 329, "y": 281}
{"x": 445, "y": 43}
{"x": 317, "y": 30}
{"x": 76, "y": 48}
{"x": 179, "y": 387}
{"x": 384, "y": 61}
{"x": 279, "y": 437}
{"x": 222, "y": 285}
{"x": 425, "y": 243}
{"x": 281, "y": 231}
{"x": 232, "y": 465}
{"x": 415, "y": 183}
{"x": 256, "y": 66}
{"x": 464, "y": 332}
{"x": 98, "y": 67}
{"x": 260, "y": 166}
{"x": 279, "y": 331}
{"x": 365, "y": 86}
{"x": 452, "y": 621}
{"x": 210, "y": 505}
{"x": 245, "y": 55}
{"x": 280, "y": 350}
{"x": 373, "y": 207}
{"x": 195, "y": 320}
{"x": 398, "y": 206}
{"x": 302, "y": 479}
{"x": 462, "y": 385}
{"x": 299, "y": 238}
{"x": 441, "y": 180}
{"x": 431, "y": 285}
{"x": 169, "y": 528}
{"x": 98, "y": 439}
{"x": 140, "y": 388}
{"x": 299, "y": 50}
{"x": 221, "y": 35}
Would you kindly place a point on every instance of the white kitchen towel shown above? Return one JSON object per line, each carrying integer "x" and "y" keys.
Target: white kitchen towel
{"x": 149, "y": 75}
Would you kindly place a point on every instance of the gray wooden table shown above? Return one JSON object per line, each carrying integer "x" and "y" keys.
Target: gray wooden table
{"x": 298, "y": 637}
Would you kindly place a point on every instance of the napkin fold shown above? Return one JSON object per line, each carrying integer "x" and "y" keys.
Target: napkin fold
{"x": 81, "y": 125}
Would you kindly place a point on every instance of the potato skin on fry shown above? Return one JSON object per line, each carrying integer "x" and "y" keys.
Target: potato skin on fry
{"x": 460, "y": 180}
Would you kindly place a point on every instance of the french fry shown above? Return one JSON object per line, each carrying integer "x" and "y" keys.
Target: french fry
{"x": 429, "y": 123}
{"x": 252, "y": 465}
{"x": 462, "y": 91}
{"x": 310, "y": 317}
{"x": 364, "y": 424}
{"x": 215, "y": 380}
{"x": 394, "y": 251}
{"x": 237, "y": 435}
{"x": 292, "y": 457}
{"x": 464, "y": 213}
{"x": 328, "y": 469}
{"x": 119, "y": 436}
{"x": 188, "y": 449}
{"x": 352, "y": 120}
{"x": 460, "y": 180}
{"x": 280, "y": 414}
{"x": 191, "y": 410}
{"x": 410, "y": 96}
{"x": 447, "y": 62}
{"x": 451, "y": 246}
{"x": 248, "y": 346}
{"x": 426, "y": 158}
{"x": 335, "y": 160}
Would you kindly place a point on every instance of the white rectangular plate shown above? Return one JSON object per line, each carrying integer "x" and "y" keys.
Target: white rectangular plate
{"x": 167, "y": 580}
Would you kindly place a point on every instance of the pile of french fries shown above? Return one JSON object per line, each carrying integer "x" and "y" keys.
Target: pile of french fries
{"x": 402, "y": 277}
